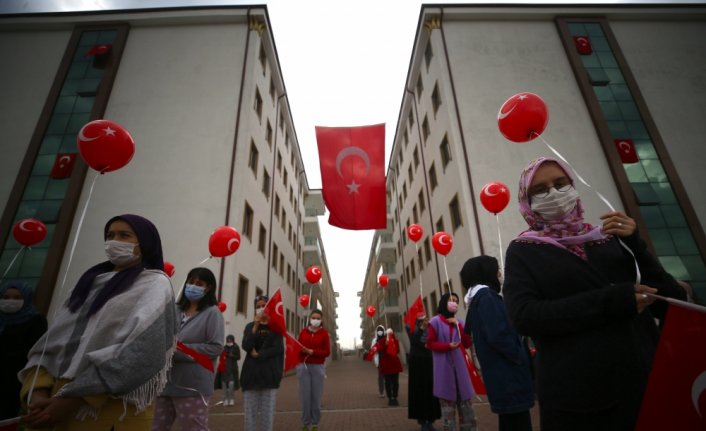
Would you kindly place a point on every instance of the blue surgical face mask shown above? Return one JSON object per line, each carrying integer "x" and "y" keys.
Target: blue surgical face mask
{"x": 194, "y": 292}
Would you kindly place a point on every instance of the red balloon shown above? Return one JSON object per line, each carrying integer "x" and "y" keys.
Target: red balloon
{"x": 313, "y": 274}
{"x": 523, "y": 117}
{"x": 169, "y": 268}
{"x": 383, "y": 280}
{"x": 415, "y": 232}
{"x": 495, "y": 196}
{"x": 222, "y": 306}
{"x": 442, "y": 242}
{"x": 224, "y": 241}
{"x": 29, "y": 231}
{"x": 370, "y": 310}
{"x": 105, "y": 145}
{"x": 304, "y": 300}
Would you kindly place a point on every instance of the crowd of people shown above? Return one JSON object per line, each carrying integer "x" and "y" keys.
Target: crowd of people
{"x": 123, "y": 353}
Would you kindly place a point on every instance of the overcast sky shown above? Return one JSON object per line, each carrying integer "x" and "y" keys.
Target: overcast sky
{"x": 344, "y": 63}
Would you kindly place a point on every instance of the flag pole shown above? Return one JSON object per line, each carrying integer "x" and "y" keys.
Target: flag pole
{"x": 679, "y": 302}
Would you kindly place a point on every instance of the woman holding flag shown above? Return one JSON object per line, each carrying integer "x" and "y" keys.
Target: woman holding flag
{"x": 316, "y": 347}
{"x": 200, "y": 342}
{"x": 263, "y": 366}
{"x": 452, "y": 383}
{"x": 583, "y": 293}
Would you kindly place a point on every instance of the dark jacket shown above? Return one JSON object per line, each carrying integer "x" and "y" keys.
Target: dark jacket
{"x": 16, "y": 340}
{"x": 265, "y": 371}
{"x": 594, "y": 351}
{"x": 503, "y": 359}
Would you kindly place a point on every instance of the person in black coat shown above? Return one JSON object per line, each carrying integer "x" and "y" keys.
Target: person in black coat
{"x": 20, "y": 327}
{"x": 262, "y": 369}
{"x": 575, "y": 290}
{"x": 502, "y": 356}
{"x": 422, "y": 404}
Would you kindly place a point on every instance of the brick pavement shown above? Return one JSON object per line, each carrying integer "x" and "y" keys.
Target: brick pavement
{"x": 350, "y": 402}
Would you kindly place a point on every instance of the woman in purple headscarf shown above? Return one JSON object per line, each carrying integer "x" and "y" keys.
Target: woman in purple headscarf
{"x": 572, "y": 287}
{"x": 107, "y": 352}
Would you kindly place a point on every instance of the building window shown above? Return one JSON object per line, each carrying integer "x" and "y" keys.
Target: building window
{"x": 415, "y": 156}
{"x": 410, "y": 175}
{"x": 263, "y": 58}
{"x": 258, "y": 104}
{"x": 434, "y": 301}
{"x": 455, "y": 212}
{"x": 285, "y": 177}
{"x": 427, "y": 249}
{"x": 275, "y": 253}
{"x": 435, "y": 98}
{"x": 420, "y": 87}
{"x": 421, "y": 260}
{"x": 247, "y": 221}
{"x": 410, "y": 119}
{"x": 243, "y": 285}
{"x": 272, "y": 89}
{"x": 265, "y": 183}
{"x": 254, "y": 155}
{"x": 412, "y": 269}
{"x": 445, "y": 152}
{"x": 415, "y": 215}
{"x": 279, "y": 161}
{"x": 262, "y": 239}
{"x": 422, "y": 205}
{"x": 428, "y": 54}
{"x": 281, "y": 264}
{"x": 277, "y": 205}
{"x": 433, "y": 182}
{"x": 268, "y": 134}
{"x": 406, "y": 139}
{"x": 283, "y": 219}
{"x": 281, "y": 122}
{"x": 289, "y": 275}
{"x": 440, "y": 224}
{"x": 425, "y": 129}
{"x": 404, "y": 191}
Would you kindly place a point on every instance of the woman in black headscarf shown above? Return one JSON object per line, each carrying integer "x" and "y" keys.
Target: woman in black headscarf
{"x": 20, "y": 327}
{"x": 502, "y": 356}
{"x": 108, "y": 350}
{"x": 422, "y": 404}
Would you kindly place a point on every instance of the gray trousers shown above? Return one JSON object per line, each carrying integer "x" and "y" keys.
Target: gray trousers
{"x": 259, "y": 406}
{"x": 311, "y": 386}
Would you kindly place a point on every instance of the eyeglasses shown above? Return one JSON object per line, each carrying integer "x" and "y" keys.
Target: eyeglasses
{"x": 542, "y": 190}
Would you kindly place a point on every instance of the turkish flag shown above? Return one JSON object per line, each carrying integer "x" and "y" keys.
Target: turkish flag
{"x": 291, "y": 354}
{"x": 476, "y": 379}
{"x": 676, "y": 391}
{"x": 626, "y": 149}
{"x": 352, "y": 161}
{"x": 371, "y": 353}
{"x": 63, "y": 166}
{"x": 200, "y": 358}
{"x": 275, "y": 310}
{"x": 583, "y": 45}
{"x": 410, "y": 318}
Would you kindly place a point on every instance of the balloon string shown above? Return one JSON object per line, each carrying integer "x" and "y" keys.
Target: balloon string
{"x": 63, "y": 283}
{"x": 448, "y": 283}
{"x": 500, "y": 242}
{"x": 12, "y": 262}
{"x": 421, "y": 288}
{"x": 638, "y": 275}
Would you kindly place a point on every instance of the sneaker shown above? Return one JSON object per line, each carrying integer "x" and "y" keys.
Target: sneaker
{"x": 382, "y": 395}
{"x": 394, "y": 402}
{"x": 314, "y": 428}
{"x": 305, "y": 427}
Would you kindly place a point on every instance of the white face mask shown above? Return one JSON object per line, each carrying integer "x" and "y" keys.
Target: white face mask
{"x": 556, "y": 204}
{"x": 120, "y": 253}
{"x": 9, "y": 306}
{"x": 315, "y": 322}
{"x": 380, "y": 333}
{"x": 229, "y": 344}
{"x": 259, "y": 311}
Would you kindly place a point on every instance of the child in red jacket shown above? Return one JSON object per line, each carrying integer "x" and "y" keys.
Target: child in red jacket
{"x": 311, "y": 371}
{"x": 390, "y": 365}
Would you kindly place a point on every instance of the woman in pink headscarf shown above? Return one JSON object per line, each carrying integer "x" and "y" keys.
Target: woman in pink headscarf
{"x": 572, "y": 287}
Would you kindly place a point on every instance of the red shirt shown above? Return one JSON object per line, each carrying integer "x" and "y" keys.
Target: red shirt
{"x": 317, "y": 341}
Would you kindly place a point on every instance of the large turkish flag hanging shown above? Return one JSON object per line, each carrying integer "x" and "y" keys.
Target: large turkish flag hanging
{"x": 676, "y": 391}
{"x": 352, "y": 161}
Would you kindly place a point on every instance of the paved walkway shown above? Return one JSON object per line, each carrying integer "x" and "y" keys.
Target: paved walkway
{"x": 350, "y": 402}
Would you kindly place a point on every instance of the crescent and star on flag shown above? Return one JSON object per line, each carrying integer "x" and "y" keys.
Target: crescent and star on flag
{"x": 347, "y": 152}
